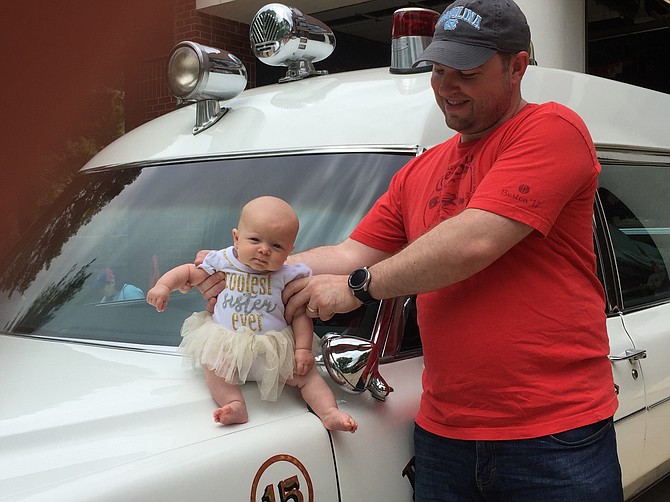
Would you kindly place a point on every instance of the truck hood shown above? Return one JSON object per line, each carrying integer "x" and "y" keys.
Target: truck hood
{"x": 96, "y": 408}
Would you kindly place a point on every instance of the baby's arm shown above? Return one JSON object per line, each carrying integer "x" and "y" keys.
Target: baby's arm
{"x": 303, "y": 331}
{"x": 173, "y": 280}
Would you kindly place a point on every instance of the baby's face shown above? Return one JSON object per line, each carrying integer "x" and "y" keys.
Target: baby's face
{"x": 263, "y": 247}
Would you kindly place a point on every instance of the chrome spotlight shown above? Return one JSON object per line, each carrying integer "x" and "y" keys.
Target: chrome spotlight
{"x": 204, "y": 75}
{"x": 354, "y": 365}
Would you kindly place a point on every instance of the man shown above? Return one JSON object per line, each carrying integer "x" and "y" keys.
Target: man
{"x": 493, "y": 230}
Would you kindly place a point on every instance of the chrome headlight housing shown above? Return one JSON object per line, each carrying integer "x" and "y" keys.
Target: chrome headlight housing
{"x": 196, "y": 72}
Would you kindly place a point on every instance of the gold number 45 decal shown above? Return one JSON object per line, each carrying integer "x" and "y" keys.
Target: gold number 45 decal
{"x": 295, "y": 488}
{"x": 289, "y": 491}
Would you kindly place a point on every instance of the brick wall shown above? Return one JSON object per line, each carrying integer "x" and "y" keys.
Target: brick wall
{"x": 147, "y": 95}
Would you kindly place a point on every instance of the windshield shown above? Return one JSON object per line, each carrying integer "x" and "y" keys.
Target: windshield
{"x": 83, "y": 270}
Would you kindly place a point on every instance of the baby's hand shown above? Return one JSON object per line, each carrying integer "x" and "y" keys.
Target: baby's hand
{"x": 304, "y": 360}
{"x": 158, "y": 296}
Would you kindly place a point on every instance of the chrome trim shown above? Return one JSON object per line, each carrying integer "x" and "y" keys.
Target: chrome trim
{"x": 151, "y": 349}
{"x": 252, "y": 154}
{"x": 395, "y": 333}
{"x": 637, "y": 308}
{"x": 207, "y": 113}
{"x": 405, "y": 50}
{"x": 623, "y": 155}
{"x": 630, "y": 415}
{"x": 630, "y": 355}
{"x": 658, "y": 403}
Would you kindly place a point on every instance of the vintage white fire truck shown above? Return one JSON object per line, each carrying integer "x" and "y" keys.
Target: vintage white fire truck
{"x": 96, "y": 403}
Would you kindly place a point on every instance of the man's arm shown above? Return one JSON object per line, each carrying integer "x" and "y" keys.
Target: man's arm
{"x": 339, "y": 259}
{"x": 454, "y": 250}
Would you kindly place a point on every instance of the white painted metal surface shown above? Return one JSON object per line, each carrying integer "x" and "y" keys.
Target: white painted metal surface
{"x": 345, "y": 109}
{"x": 93, "y": 423}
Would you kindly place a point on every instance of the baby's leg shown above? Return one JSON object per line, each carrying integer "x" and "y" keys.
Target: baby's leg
{"x": 319, "y": 397}
{"x": 233, "y": 409}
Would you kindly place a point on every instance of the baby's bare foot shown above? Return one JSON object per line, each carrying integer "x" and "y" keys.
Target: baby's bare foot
{"x": 336, "y": 420}
{"x": 232, "y": 413}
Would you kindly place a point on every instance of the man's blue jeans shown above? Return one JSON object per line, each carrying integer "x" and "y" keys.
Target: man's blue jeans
{"x": 577, "y": 465}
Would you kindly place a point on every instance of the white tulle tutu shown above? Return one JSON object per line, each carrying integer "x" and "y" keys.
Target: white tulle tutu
{"x": 233, "y": 354}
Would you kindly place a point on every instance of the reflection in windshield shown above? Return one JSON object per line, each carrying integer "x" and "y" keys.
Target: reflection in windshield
{"x": 68, "y": 215}
{"x": 122, "y": 228}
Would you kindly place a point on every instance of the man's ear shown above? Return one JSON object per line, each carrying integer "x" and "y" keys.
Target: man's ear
{"x": 519, "y": 63}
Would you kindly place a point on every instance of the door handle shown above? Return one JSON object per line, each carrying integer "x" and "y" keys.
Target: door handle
{"x": 631, "y": 355}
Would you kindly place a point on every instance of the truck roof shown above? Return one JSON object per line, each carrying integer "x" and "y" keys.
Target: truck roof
{"x": 372, "y": 108}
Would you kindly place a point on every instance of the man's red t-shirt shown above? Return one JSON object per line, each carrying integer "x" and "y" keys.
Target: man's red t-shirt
{"x": 519, "y": 349}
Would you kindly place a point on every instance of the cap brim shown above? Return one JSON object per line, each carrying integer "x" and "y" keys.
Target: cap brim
{"x": 455, "y": 55}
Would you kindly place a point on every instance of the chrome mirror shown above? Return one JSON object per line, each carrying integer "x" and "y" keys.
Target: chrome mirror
{"x": 354, "y": 365}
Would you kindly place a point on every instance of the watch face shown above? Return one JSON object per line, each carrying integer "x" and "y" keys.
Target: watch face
{"x": 357, "y": 278}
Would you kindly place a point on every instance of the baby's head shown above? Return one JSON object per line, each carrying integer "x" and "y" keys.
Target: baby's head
{"x": 266, "y": 233}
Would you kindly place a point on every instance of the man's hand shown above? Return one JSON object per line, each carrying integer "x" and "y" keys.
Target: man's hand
{"x": 212, "y": 285}
{"x": 323, "y": 296}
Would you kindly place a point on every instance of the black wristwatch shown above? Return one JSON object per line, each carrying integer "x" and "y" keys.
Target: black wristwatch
{"x": 359, "y": 281}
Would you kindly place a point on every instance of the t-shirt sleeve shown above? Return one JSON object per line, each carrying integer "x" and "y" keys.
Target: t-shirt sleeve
{"x": 549, "y": 161}
{"x": 296, "y": 271}
{"x": 212, "y": 262}
{"x": 382, "y": 227}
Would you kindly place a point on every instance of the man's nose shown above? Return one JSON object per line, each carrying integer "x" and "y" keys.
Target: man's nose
{"x": 445, "y": 82}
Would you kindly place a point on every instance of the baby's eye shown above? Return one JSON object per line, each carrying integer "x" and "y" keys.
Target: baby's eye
{"x": 278, "y": 247}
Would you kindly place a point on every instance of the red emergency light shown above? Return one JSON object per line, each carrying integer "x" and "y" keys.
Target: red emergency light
{"x": 413, "y": 29}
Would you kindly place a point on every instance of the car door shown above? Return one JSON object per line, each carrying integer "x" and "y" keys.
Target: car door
{"x": 635, "y": 196}
{"x": 376, "y": 462}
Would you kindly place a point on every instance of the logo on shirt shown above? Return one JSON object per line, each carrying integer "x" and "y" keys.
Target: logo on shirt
{"x": 452, "y": 192}
{"x": 521, "y": 195}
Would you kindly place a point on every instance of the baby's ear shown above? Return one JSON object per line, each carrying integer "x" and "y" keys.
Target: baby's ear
{"x": 236, "y": 236}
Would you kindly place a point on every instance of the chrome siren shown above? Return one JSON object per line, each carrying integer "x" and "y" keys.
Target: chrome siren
{"x": 284, "y": 36}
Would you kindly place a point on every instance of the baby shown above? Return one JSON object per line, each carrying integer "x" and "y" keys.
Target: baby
{"x": 247, "y": 335}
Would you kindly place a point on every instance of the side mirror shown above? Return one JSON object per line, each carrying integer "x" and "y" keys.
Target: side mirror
{"x": 354, "y": 365}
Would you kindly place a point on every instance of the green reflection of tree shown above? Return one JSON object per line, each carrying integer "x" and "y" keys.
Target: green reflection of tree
{"x": 44, "y": 241}
{"x": 50, "y": 299}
